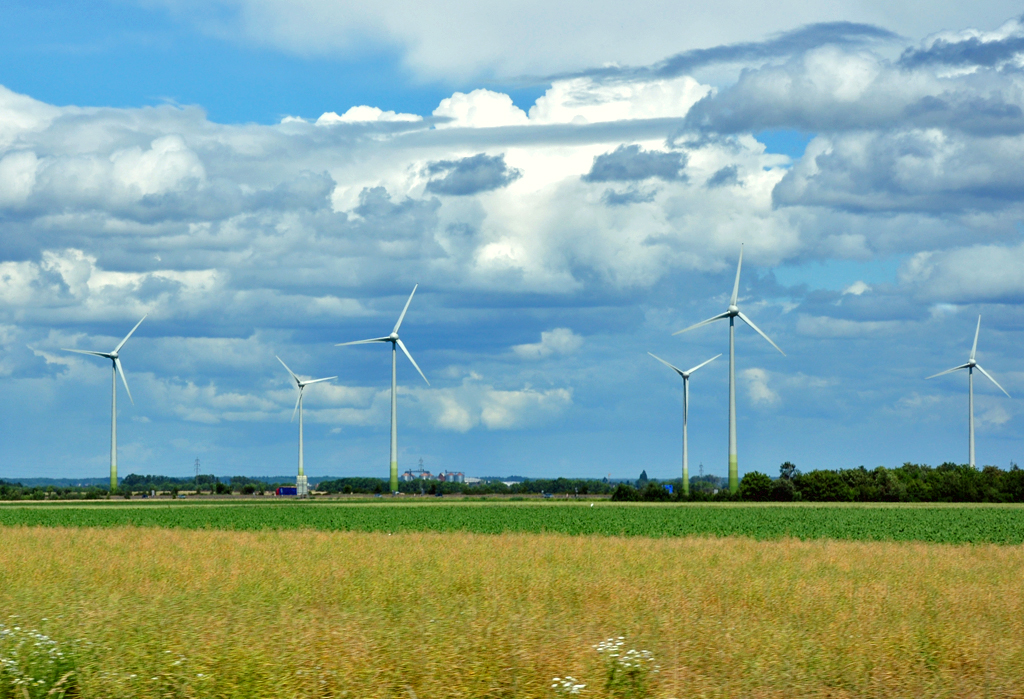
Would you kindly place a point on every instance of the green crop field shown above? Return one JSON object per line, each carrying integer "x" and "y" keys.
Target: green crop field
{"x": 999, "y": 524}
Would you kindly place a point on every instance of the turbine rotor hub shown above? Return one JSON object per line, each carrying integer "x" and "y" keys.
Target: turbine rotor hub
{"x": 733, "y": 309}
{"x": 393, "y": 337}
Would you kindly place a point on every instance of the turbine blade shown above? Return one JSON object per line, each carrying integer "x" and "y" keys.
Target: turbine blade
{"x": 306, "y": 383}
{"x": 702, "y": 364}
{"x": 105, "y": 355}
{"x": 703, "y": 322}
{"x": 736, "y": 285}
{"x": 978, "y": 367}
{"x": 117, "y": 363}
{"x": 976, "y": 331}
{"x": 948, "y": 371}
{"x": 288, "y": 370}
{"x": 297, "y": 401}
{"x": 118, "y": 348}
{"x": 758, "y": 331}
{"x": 402, "y": 317}
{"x": 363, "y": 342}
{"x": 402, "y": 345}
{"x": 673, "y": 368}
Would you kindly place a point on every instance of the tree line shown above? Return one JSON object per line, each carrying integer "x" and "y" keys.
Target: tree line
{"x": 133, "y": 485}
{"x": 539, "y": 486}
{"x": 948, "y": 482}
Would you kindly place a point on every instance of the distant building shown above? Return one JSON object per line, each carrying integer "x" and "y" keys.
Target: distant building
{"x": 417, "y": 474}
{"x": 452, "y": 477}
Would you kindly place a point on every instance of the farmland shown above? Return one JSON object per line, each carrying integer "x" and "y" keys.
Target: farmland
{"x": 148, "y": 612}
{"x": 421, "y": 598}
{"x": 936, "y": 523}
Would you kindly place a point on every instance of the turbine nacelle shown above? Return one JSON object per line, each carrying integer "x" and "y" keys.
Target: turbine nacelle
{"x": 971, "y": 364}
{"x": 684, "y": 374}
{"x": 114, "y": 356}
{"x": 733, "y": 311}
{"x": 300, "y": 384}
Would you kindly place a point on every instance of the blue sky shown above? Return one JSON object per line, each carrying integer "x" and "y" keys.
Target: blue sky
{"x": 121, "y": 54}
{"x": 273, "y": 178}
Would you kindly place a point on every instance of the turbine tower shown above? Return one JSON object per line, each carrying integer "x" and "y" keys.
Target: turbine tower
{"x": 395, "y": 342}
{"x": 970, "y": 366}
{"x": 115, "y": 360}
{"x": 685, "y": 375}
{"x": 732, "y": 312}
{"x": 301, "y": 484}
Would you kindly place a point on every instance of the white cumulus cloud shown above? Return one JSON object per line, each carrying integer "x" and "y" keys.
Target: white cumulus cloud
{"x": 364, "y": 114}
{"x": 557, "y": 341}
{"x": 758, "y": 389}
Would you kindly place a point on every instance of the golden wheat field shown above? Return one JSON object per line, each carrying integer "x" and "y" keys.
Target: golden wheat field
{"x": 153, "y": 613}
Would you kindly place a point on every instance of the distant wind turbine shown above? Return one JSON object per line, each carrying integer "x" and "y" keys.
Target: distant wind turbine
{"x": 395, "y": 342}
{"x": 970, "y": 366}
{"x": 301, "y": 483}
{"x": 685, "y": 376}
{"x": 731, "y": 313}
{"x": 115, "y": 360}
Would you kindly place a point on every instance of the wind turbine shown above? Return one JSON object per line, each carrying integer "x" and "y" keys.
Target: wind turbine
{"x": 115, "y": 360}
{"x": 301, "y": 484}
{"x": 395, "y": 342}
{"x": 685, "y": 375}
{"x": 732, "y": 312}
{"x": 970, "y": 366}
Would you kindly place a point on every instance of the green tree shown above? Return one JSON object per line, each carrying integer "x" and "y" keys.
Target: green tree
{"x": 655, "y": 492}
{"x": 823, "y": 486}
{"x": 783, "y": 490}
{"x": 755, "y": 486}
{"x": 625, "y": 493}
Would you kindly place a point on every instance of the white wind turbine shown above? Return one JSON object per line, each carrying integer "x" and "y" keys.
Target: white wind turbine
{"x": 395, "y": 342}
{"x": 301, "y": 483}
{"x": 732, "y": 312}
{"x": 970, "y": 366}
{"x": 685, "y": 376}
{"x": 115, "y": 360}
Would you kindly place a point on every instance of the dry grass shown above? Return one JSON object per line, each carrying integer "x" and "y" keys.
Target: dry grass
{"x": 323, "y": 614}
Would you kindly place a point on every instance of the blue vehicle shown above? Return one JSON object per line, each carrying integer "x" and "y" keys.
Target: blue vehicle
{"x": 286, "y": 490}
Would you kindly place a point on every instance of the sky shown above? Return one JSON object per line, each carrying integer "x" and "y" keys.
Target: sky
{"x": 568, "y": 183}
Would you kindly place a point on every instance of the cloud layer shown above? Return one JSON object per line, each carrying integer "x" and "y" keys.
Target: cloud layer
{"x": 470, "y": 39}
{"x": 554, "y": 245}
